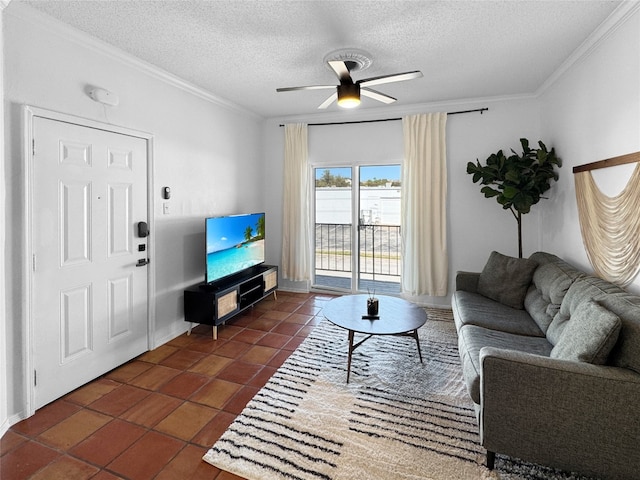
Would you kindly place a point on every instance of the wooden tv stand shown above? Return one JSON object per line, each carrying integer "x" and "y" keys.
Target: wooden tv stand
{"x": 215, "y": 303}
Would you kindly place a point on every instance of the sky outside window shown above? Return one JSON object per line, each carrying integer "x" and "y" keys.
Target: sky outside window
{"x": 390, "y": 172}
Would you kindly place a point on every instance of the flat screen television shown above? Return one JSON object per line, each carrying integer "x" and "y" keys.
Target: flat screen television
{"x": 234, "y": 243}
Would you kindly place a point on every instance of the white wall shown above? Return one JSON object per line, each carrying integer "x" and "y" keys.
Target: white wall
{"x": 207, "y": 151}
{"x": 476, "y": 225}
{"x": 4, "y": 361}
{"x": 592, "y": 113}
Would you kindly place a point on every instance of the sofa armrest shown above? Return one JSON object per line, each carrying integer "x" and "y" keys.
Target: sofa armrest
{"x": 467, "y": 281}
{"x": 570, "y": 415}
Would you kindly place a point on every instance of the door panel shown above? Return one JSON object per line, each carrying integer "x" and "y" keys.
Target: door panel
{"x": 379, "y": 229}
{"x": 75, "y": 321}
{"x": 333, "y": 259}
{"x": 89, "y": 300}
{"x": 73, "y": 153}
{"x": 75, "y": 222}
{"x": 120, "y": 307}
{"x": 120, "y": 223}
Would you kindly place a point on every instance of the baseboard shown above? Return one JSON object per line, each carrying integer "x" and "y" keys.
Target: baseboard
{"x": 10, "y": 421}
{"x": 170, "y": 335}
{"x": 292, "y": 290}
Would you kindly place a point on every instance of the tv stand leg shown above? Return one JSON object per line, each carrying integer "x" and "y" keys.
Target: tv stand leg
{"x": 215, "y": 332}
{"x": 189, "y": 331}
{"x": 275, "y": 297}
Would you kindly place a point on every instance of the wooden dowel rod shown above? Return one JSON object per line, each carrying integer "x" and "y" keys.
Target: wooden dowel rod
{"x": 609, "y": 162}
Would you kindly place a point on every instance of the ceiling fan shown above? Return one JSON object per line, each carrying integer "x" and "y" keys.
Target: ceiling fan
{"x": 348, "y": 92}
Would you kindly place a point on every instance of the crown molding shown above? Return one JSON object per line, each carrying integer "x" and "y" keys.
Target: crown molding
{"x": 82, "y": 39}
{"x": 617, "y": 18}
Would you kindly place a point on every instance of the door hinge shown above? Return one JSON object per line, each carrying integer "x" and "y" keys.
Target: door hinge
{"x": 33, "y": 146}
{"x": 35, "y": 378}
{"x": 33, "y": 262}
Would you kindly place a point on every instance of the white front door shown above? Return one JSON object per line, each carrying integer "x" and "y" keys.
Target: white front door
{"x": 89, "y": 300}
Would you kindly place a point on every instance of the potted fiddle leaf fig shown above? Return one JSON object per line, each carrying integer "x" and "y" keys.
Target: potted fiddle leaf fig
{"x": 517, "y": 182}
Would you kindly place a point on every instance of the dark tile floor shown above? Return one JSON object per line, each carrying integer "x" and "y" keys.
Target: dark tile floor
{"x": 154, "y": 417}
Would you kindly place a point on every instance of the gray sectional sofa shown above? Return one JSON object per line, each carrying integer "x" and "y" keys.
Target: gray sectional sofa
{"x": 551, "y": 359}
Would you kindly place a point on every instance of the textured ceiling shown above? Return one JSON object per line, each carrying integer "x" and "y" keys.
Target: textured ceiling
{"x": 243, "y": 50}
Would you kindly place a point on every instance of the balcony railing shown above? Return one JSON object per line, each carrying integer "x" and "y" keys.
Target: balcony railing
{"x": 333, "y": 247}
{"x": 379, "y": 252}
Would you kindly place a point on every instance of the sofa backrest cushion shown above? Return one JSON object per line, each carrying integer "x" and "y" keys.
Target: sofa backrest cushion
{"x": 506, "y": 279}
{"x": 584, "y": 289}
{"x": 589, "y": 336}
{"x": 626, "y": 351}
{"x": 550, "y": 283}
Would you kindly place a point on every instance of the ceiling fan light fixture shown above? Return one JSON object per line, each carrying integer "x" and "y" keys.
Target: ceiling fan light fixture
{"x": 342, "y": 63}
{"x": 349, "y": 95}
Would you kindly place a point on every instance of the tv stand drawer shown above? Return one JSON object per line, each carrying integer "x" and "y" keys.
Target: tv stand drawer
{"x": 227, "y": 303}
{"x": 270, "y": 280}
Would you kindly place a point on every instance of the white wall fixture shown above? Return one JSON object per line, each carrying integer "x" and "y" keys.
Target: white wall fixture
{"x": 101, "y": 95}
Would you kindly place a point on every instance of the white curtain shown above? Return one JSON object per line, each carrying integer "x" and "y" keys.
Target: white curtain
{"x": 424, "y": 213}
{"x": 296, "y": 244}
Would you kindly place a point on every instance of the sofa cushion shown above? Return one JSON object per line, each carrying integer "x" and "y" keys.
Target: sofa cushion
{"x": 562, "y": 270}
{"x": 471, "y": 339}
{"x": 550, "y": 283}
{"x": 475, "y": 309}
{"x": 626, "y": 352}
{"x": 582, "y": 290}
{"x": 506, "y": 279}
{"x": 589, "y": 336}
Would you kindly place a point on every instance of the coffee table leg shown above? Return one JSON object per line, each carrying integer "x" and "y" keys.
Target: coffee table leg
{"x": 350, "y": 352}
{"x": 415, "y": 335}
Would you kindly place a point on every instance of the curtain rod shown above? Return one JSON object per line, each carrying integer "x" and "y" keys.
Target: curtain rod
{"x": 609, "y": 162}
{"x": 481, "y": 110}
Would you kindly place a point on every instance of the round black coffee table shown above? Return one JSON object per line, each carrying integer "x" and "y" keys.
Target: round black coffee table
{"x": 396, "y": 317}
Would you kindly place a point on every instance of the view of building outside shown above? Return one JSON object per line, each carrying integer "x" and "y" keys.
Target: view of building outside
{"x": 378, "y": 205}
{"x": 379, "y": 195}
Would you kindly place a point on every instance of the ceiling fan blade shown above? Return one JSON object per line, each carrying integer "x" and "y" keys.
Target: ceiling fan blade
{"x": 329, "y": 101}
{"x": 308, "y": 87}
{"x": 381, "y": 97}
{"x": 396, "y": 77}
{"x": 341, "y": 70}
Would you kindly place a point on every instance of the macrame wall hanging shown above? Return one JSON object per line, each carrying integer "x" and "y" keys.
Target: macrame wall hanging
{"x": 610, "y": 226}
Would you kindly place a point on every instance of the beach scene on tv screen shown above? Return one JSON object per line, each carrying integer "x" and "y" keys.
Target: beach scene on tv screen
{"x": 233, "y": 244}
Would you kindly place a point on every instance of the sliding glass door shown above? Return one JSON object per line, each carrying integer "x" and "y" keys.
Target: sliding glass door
{"x": 333, "y": 228}
{"x": 379, "y": 229}
{"x": 357, "y": 228}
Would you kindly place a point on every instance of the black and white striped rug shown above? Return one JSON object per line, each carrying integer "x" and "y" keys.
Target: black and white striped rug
{"x": 396, "y": 419}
